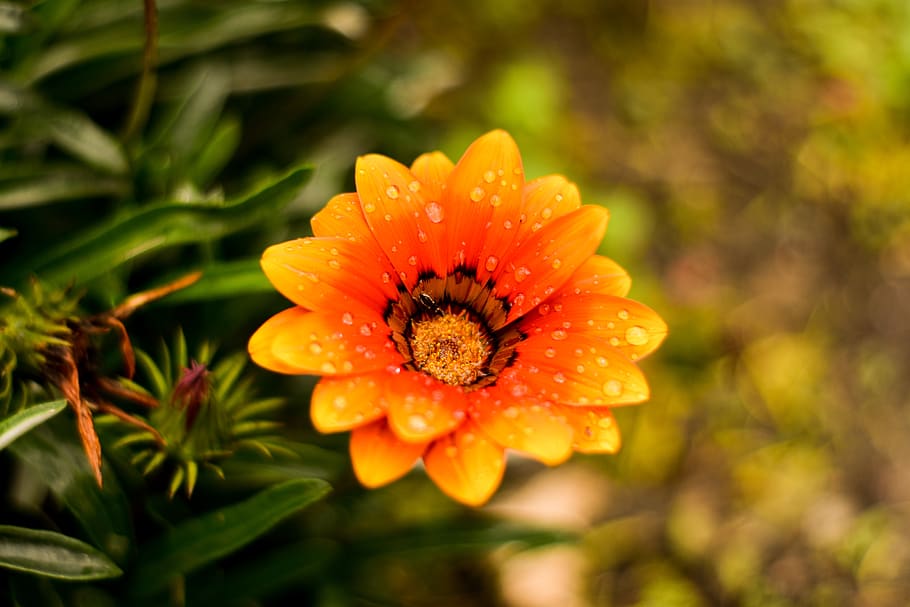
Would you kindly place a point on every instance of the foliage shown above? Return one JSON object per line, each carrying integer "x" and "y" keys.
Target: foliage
{"x": 752, "y": 154}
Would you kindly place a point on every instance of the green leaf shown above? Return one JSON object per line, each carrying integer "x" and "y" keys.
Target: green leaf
{"x": 51, "y": 554}
{"x": 268, "y": 574}
{"x": 227, "y": 279}
{"x": 463, "y": 537}
{"x": 18, "y": 424}
{"x": 52, "y": 454}
{"x": 209, "y": 537}
{"x": 6, "y": 233}
{"x": 122, "y": 239}
{"x": 55, "y": 186}
{"x": 12, "y": 18}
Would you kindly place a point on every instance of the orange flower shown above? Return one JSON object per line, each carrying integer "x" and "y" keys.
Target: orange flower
{"x": 457, "y": 311}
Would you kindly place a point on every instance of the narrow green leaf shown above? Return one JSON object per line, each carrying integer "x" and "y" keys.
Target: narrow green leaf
{"x": 12, "y": 18}
{"x": 52, "y": 454}
{"x": 51, "y": 554}
{"x": 209, "y": 537}
{"x": 122, "y": 239}
{"x": 463, "y": 537}
{"x": 228, "y": 279}
{"x": 6, "y": 234}
{"x": 56, "y": 187}
{"x": 19, "y": 423}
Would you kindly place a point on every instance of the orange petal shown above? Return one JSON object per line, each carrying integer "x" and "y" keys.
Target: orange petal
{"x": 545, "y": 199}
{"x": 342, "y": 217}
{"x": 577, "y": 369}
{"x": 379, "y": 457}
{"x": 467, "y": 465}
{"x": 342, "y": 403}
{"x": 422, "y": 408}
{"x": 632, "y": 328}
{"x": 329, "y": 274}
{"x": 525, "y": 425}
{"x": 432, "y": 169}
{"x": 594, "y": 428}
{"x": 324, "y": 343}
{"x": 487, "y": 181}
{"x": 400, "y": 219}
{"x": 598, "y": 274}
{"x": 548, "y": 258}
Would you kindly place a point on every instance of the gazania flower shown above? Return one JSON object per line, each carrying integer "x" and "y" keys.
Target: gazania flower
{"x": 455, "y": 312}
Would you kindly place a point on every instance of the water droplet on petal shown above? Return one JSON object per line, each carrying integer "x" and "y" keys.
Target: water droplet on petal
{"x": 392, "y": 192}
{"x": 315, "y": 347}
{"x": 477, "y": 194}
{"x": 612, "y": 387}
{"x": 412, "y": 260}
{"x": 421, "y": 235}
{"x": 434, "y": 212}
{"x": 623, "y": 315}
{"x": 546, "y": 212}
{"x": 559, "y": 378}
{"x": 507, "y": 224}
{"x": 386, "y": 277}
{"x": 340, "y": 401}
{"x": 414, "y": 186}
{"x": 495, "y": 200}
{"x": 559, "y": 335}
{"x": 511, "y": 412}
{"x": 417, "y": 423}
{"x": 580, "y": 368}
{"x": 369, "y": 207}
{"x": 347, "y": 318}
{"x": 550, "y": 352}
{"x": 605, "y": 422}
{"x": 521, "y": 273}
{"x": 365, "y": 329}
{"x": 328, "y": 367}
{"x": 614, "y": 341}
{"x": 556, "y": 263}
{"x": 334, "y": 264}
{"x": 491, "y": 263}
{"x": 637, "y": 336}
{"x": 489, "y": 176}
{"x": 601, "y": 361}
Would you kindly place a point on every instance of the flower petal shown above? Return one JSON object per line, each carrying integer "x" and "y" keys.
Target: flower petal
{"x": 342, "y": 403}
{"x": 594, "y": 428}
{"x": 432, "y": 169}
{"x": 487, "y": 181}
{"x": 399, "y": 217}
{"x": 598, "y": 274}
{"x": 548, "y": 258}
{"x": 628, "y": 326}
{"x": 323, "y": 343}
{"x": 545, "y": 199}
{"x": 422, "y": 408}
{"x": 329, "y": 274}
{"x": 467, "y": 465}
{"x": 342, "y": 217}
{"x": 576, "y": 369}
{"x": 525, "y": 425}
{"x": 379, "y": 457}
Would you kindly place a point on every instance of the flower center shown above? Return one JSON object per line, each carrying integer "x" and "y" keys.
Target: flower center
{"x": 453, "y": 348}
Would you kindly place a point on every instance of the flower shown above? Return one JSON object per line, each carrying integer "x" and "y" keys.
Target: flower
{"x": 456, "y": 311}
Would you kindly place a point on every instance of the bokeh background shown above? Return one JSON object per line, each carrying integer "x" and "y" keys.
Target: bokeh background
{"x": 755, "y": 157}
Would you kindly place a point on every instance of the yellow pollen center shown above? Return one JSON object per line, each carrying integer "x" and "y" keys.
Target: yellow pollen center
{"x": 453, "y": 348}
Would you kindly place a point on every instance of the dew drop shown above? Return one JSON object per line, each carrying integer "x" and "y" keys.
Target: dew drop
{"x": 412, "y": 260}
{"x": 559, "y": 335}
{"x": 637, "y": 336}
{"x": 340, "y": 401}
{"x": 347, "y": 366}
{"x": 559, "y": 378}
{"x": 328, "y": 367}
{"x": 421, "y": 235}
{"x": 550, "y": 352}
{"x": 614, "y": 341}
{"x": 519, "y": 390}
{"x": 366, "y": 330}
{"x": 417, "y": 423}
{"x": 580, "y": 368}
{"x": 605, "y": 423}
{"x": 546, "y": 212}
{"x": 387, "y": 217}
{"x": 386, "y": 277}
{"x": 495, "y": 200}
{"x": 477, "y": 194}
{"x": 434, "y": 212}
{"x": 491, "y": 263}
{"x": 601, "y": 361}
{"x": 623, "y": 315}
{"x": 414, "y": 186}
{"x": 556, "y": 263}
{"x": 521, "y": 273}
{"x": 347, "y": 318}
{"x": 392, "y": 192}
{"x": 511, "y": 412}
{"x": 489, "y": 176}
{"x": 612, "y": 388}
{"x": 315, "y": 347}
{"x": 334, "y": 264}
{"x": 369, "y": 207}
{"x": 507, "y": 224}
{"x": 544, "y": 309}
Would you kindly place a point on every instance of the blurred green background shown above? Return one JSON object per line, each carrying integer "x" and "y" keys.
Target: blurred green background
{"x": 755, "y": 160}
